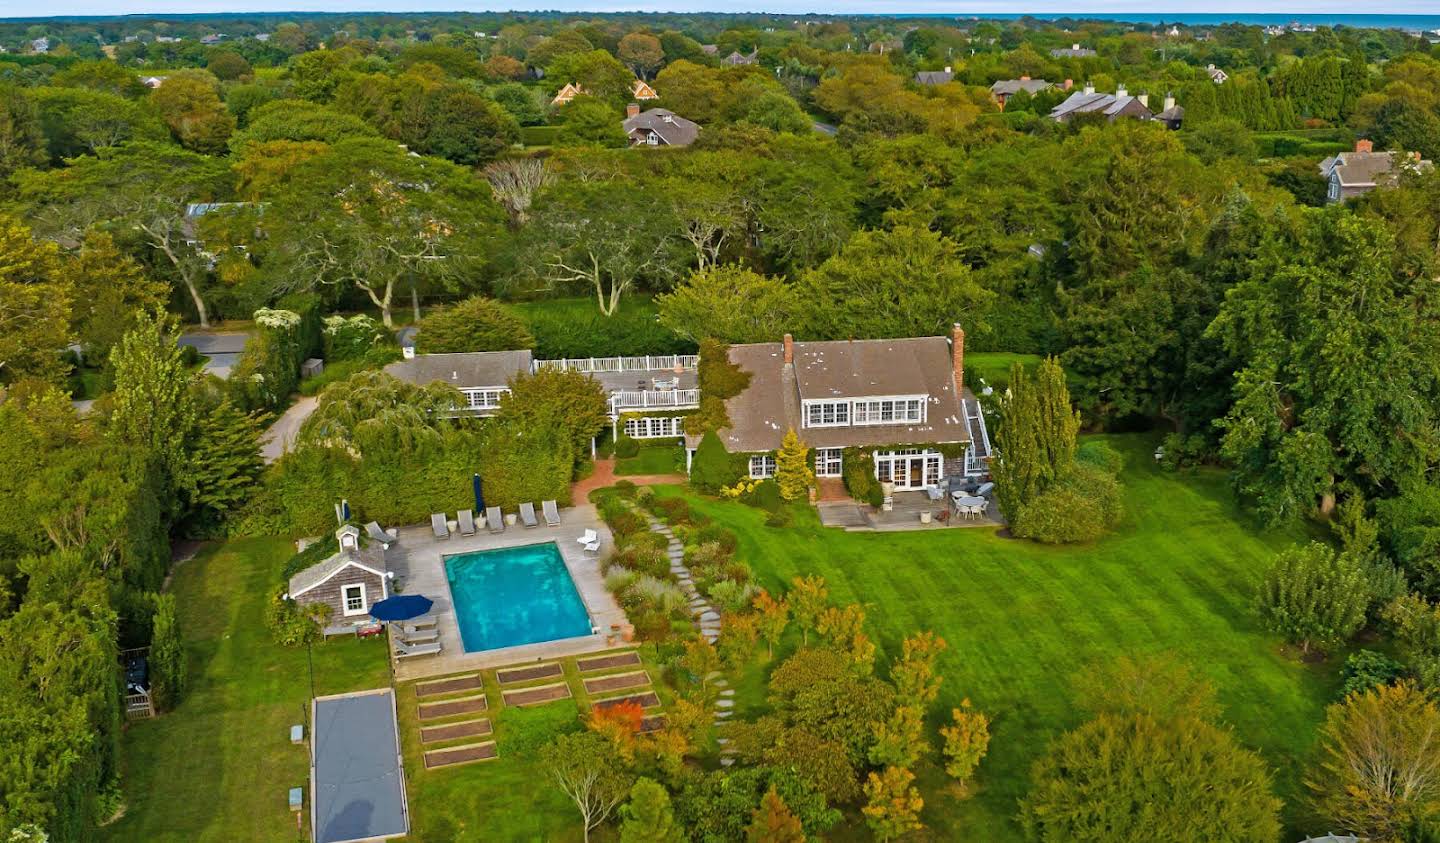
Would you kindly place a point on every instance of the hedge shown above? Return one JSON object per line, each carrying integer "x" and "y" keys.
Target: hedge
{"x": 268, "y": 370}
{"x": 538, "y": 135}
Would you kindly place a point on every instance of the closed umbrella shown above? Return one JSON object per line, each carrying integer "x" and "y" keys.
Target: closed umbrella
{"x": 479, "y": 493}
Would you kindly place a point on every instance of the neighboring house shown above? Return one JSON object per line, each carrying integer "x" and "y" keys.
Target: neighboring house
{"x": 1352, "y": 174}
{"x": 212, "y": 39}
{"x": 639, "y": 90}
{"x": 153, "y": 81}
{"x": 658, "y": 127}
{"x": 482, "y": 376}
{"x": 40, "y": 45}
{"x": 642, "y": 91}
{"x": 1173, "y": 116}
{"x": 567, "y": 93}
{"x": 935, "y": 77}
{"x": 710, "y": 49}
{"x": 901, "y": 401}
{"x": 1216, "y": 75}
{"x": 735, "y": 59}
{"x": 1006, "y": 88}
{"x": 1113, "y": 106}
{"x": 350, "y": 582}
{"x": 1075, "y": 51}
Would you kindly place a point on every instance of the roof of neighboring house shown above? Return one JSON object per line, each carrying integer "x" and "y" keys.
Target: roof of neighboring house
{"x": 1009, "y": 87}
{"x": 1081, "y": 102}
{"x": 736, "y": 57}
{"x": 1216, "y": 74}
{"x": 1075, "y": 52}
{"x": 709, "y": 49}
{"x": 462, "y": 370}
{"x": 1172, "y": 114}
{"x": 642, "y": 91}
{"x": 569, "y": 92}
{"x": 371, "y": 558}
{"x": 934, "y": 77}
{"x": 673, "y": 129}
{"x": 770, "y": 405}
{"x": 1368, "y": 169}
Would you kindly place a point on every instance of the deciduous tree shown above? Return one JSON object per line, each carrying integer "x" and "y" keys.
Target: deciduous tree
{"x": 475, "y": 324}
{"x": 774, "y": 616}
{"x": 808, "y": 597}
{"x": 153, "y": 407}
{"x": 1314, "y": 596}
{"x": 893, "y": 806}
{"x": 641, "y": 52}
{"x": 34, "y": 305}
{"x": 730, "y": 303}
{"x": 583, "y": 765}
{"x": 189, "y": 102}
{"x": 967, "y": 740}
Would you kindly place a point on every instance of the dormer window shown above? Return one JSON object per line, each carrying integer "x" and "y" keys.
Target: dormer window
{"x": 827, "y": 413}
{"x": 908, "y": 409}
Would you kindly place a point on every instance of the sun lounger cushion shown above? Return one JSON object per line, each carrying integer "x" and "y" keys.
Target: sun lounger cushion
{"x": 552, "y": 513}
{"x": 527, "y": 514}
{"x": 467, "y": 522}
{"x": 494, "y": 520}
{"x": 439, "y": 526}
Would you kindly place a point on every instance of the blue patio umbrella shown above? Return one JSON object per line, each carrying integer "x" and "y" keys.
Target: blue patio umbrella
{"x": 479, "y": 494}
{"x": 401, "y": 607}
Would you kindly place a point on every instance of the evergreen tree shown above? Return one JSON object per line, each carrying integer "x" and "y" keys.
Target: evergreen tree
{"x": 167, "y": 656}
{"x": 1035, "y": 443}
{"x": 792, "y": 472}
{"x": 225, "y": 464}
{"x": 773, "y": 822}
{"x": 648, "y": 817}
{"x": 153, "y": 406}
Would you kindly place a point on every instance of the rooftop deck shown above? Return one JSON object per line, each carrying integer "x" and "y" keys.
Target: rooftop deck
{"x": 418, "y": 562}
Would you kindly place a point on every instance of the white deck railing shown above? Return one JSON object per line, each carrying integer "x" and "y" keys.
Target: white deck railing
{"x": 647, "y": 399}
{"x": 648, "y": 363}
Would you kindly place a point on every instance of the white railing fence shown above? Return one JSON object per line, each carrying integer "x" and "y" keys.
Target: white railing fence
{"x": 648, "y": 363}
{"x": 633, "y": 399}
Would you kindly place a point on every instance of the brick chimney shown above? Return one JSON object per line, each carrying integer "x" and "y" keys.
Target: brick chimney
{"x": 1364, "y": 146}
{"x": 957, "y": 354}
{"x": 1169, "y": 102}
{"x": 632, "y": 110}
{"x": 789, "y": 350}
{"x": 1024, "y": 78}
{"x": 1069, "y": 83}
{"x": 947, "y": 69}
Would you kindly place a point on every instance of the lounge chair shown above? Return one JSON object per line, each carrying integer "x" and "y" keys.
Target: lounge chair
{"x": 424, "y": 636}
{"x": 593, "y": 547}
{"x": 984, "y": 489}
{"x": 403, "y": 650}
{"x": 439, "y": 525}
{"x": 415, "y": 624}
{"x": 378, "y": 535}
{"x": 552, "y": 513}
{"x": 467, "y": 522}
{"x": 527, "y": 514}
{"x": 494, "y": 521}
{"x": 588, "y": 537}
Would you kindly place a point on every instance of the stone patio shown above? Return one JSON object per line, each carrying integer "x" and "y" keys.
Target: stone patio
{"x": 905, "y": 515}
{"x": 417, "y": 561}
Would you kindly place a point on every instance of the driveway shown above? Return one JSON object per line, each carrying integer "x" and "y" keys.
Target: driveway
{"x": 281, "y": 436}
{"x": 222, "y": 347}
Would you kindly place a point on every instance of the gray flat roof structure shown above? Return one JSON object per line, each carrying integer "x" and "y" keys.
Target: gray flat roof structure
{"x": 357, "y": 781}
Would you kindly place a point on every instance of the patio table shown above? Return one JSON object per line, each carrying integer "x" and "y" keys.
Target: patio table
{"x": 961, "y": 499}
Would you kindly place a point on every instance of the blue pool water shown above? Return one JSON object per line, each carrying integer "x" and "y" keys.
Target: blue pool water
{"x": 518, "y": 595}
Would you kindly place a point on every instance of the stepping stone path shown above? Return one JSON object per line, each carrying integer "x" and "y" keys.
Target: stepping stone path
{"x": 708, "y": 618}
{"x": 724, "y": 709}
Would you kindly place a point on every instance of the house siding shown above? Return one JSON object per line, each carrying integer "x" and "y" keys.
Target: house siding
{"x": 329, "y": 593}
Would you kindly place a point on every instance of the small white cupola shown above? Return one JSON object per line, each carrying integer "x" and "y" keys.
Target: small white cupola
{"x": 349, "y": 536}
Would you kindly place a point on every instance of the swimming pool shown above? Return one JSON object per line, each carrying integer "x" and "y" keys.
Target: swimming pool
{"x": 513, "y": 596}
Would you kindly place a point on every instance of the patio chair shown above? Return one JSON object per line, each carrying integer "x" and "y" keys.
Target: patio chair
{"x": 588, "y": 537}
{"x": 984, "y": 489}
{"x": 424, "y": 636}
{"x": 935, "y": 492}
{"x": 552, "y": 513}
{"x": 439, "y": 525}
{"x": 527, "y": 514}
{"x": 416, "y": 624}
{"x": 494, "y": 521}
{"x": 378, "y": 535}
{"x": 593, "y": 547}
{"x": 467, "y": 522}
{"x": 404, "y": 651}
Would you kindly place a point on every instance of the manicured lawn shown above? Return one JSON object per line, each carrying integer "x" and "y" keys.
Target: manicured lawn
{"x": 1022, "y": 620}
{"x": 653, "y": 460}
{"x": 994, "y": 366}
{"x": 218, "y": 767}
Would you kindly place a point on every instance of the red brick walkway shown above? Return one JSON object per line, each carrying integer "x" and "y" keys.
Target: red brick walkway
{"x": 604, "y": 475}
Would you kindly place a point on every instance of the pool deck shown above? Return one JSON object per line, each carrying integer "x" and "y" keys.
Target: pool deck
{"x": 417, "y": 560}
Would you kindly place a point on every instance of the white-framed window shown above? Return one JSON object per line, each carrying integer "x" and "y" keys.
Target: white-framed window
{"x": 889, "y": 411}
{"x": 484, "y": 399}
{"x": 654, "y": 427}
{"x": 909, "y": 468}
{"x": 762, "y": 466}
{"x": 353, "y": 599}
{"x": 652, "y": 139}
{"x": 829, "y": 462}
{"x": 827, "y": 413}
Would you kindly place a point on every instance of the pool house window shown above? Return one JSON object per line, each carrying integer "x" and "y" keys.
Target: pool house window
{"x": 828, "y": 462}
{"x": 484, "y": 399}
{"x": 354, "y": 599}
{"x": 654, "y": 427}
{"x": 762, "y": 466}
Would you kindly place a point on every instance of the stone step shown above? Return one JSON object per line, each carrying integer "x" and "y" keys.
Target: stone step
{"x": 710, "y": 616}
{"x": 727, "y": 761}
{"x": 724, "y": 714}
{"x": 728, "y": 692}
{"x": 725, "y": 702}
{"x": 722, "y": 741}
{"x": 721, "y": 682}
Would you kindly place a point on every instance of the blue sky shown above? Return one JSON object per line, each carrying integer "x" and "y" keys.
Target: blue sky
{"x": 25, "y": 8}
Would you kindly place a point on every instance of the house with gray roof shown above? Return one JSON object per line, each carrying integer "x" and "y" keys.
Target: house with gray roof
{"x": 483, "y": 377}
{"x": 658, "y": 127}
{"x": 935, "y": 77}
{"x": 736, "y": 58}
{"x": 1113, "y": 106}
{"x": 1352, "y": 174}
{"x": 902, "y": 402}
{"x": 1004, "y": 89}
{"x": 1074, "y": 51}
{"x": 349, "y": 583}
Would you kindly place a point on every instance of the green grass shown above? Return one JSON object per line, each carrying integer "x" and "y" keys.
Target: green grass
{"x": 653, "y": 460}
{"x": 994, "y": 366}
{"x": 1022, "y": 620}
{"x": 218, "y": 767}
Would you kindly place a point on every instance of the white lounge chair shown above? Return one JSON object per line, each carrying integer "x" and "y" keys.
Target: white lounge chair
{"x": 403, "y": 650}
{"x": 527, "y": 514}
{"x": 494, "y": 521}
{"x": 466, "y": 519}
{"x": 588, "y": 537}
{"x": 593, "y": 547}
{"x": 439, "y": 525}
{"x": 552, "y": 513}
{"x": 378, "y": 535}
{"x": 423, "y": 636}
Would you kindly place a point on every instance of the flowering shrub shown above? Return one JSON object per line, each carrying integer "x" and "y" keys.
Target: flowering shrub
{"x": 350, "y": 338}
{"x": 285, "y": 320}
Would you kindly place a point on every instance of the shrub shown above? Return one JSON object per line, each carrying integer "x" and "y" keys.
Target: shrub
{"x": 781, "y": 519}
{"x": 712, "y": 468}
{"x": 475, "y": 324}
{"x": 732, "y": 596}
{"x": 1366, "y": 669}
{"x": 524, "y": 730}
{"x": 289, "y": 626}
{"x": 706, "y": 555}
{"x": 1080, "y": 508}
{"x": 673, "y": 510}
{"x": 1100, "y": 454}
{"x": 766, "y": 496}
{"x": 654, "y": 594}
{"x": 645, "y": 559}
{"x": 716, "y": 534}
{"x": 645, "y": 497}
{"x": 859, "y": 476}
{"x": 626, "y": 524}
{"x": 626, "y": 448}
{"x": 618, "y": 578}
{"x": 350, "y": 338}
{"x": 1177, "y": 452}
{"x": 1313, "y": 596}
{"x": 625, "y": 488}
